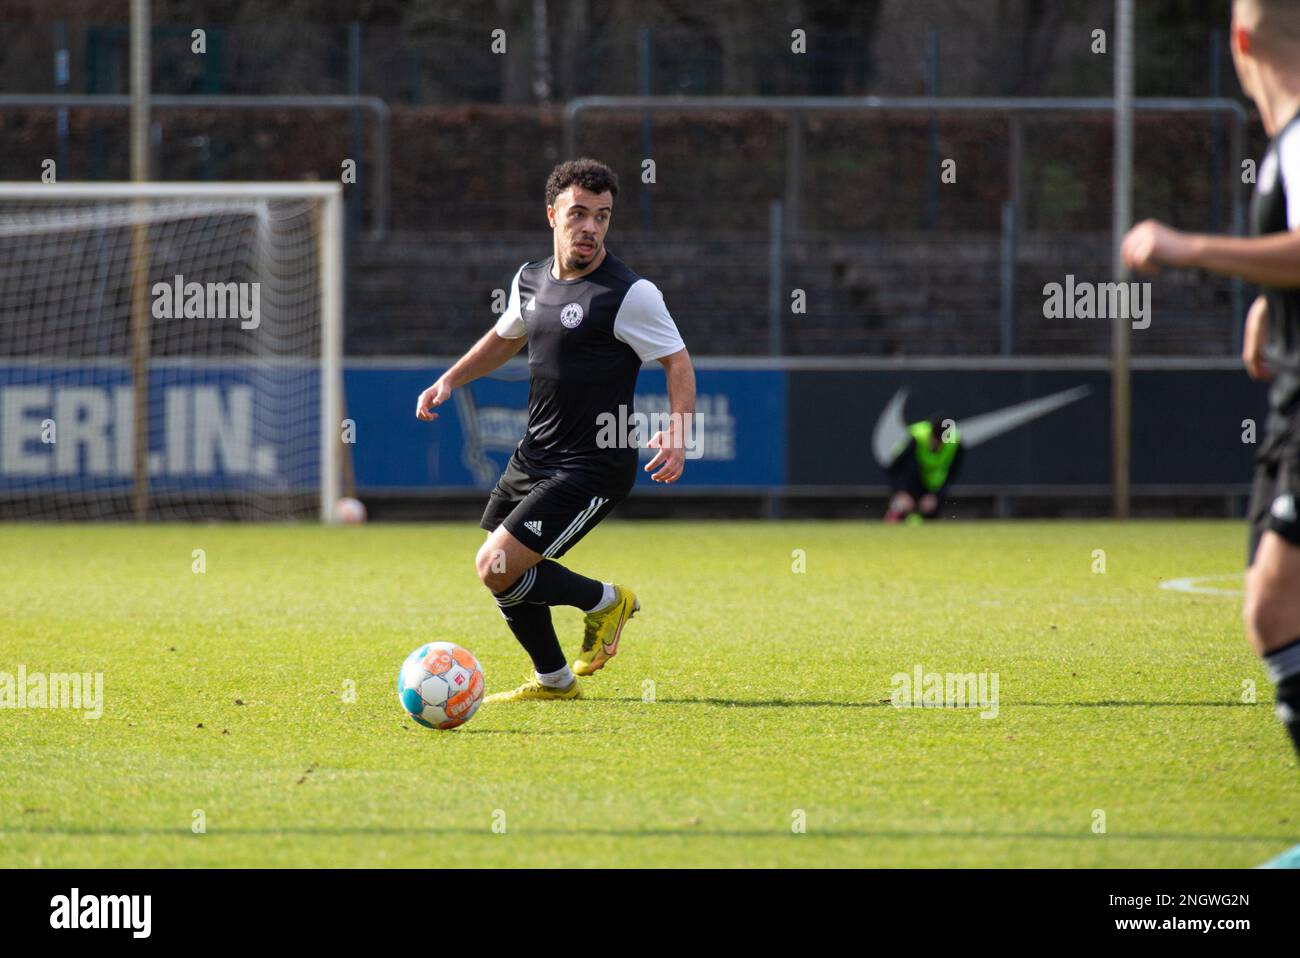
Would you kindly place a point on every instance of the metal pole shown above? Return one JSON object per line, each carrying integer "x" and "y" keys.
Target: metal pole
{"x": 139, "y": 90}
{"x": 1016, "y": 163}
{"x": 358, "y": 125}
{"x": 61, "y": 79}
{"x": 1008, "y": 278}
{"x": 140, "y": 346}
{"x": 775, "y": 276}
{"x": 793, "y": 170}
{"x": 644, "y": 86}
{"x": 1237, "y": 149}
{"x": 1216, "y": 134}
{"x": 331, "y": 345}
{"x": 932, "y": 167}
{"x": 1121, "y": 412}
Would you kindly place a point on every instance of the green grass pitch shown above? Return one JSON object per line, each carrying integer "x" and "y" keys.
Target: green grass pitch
{"x": 259, "y": 699}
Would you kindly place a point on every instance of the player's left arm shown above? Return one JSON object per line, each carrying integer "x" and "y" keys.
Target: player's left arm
{"x": 1272, "y": 260}
{"x": 644, "y": 323}
{"x": 668, "y": 463}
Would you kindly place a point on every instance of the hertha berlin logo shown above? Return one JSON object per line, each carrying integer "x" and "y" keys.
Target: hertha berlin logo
{"x": 571, "y": 315}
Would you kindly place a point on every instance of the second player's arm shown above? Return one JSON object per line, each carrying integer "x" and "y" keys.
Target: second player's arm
{"x": 1253, "y": 339}
{"x": 1272, "y": 260}
{"x": 489, "y": 353}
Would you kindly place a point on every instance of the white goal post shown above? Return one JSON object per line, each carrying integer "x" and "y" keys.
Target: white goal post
{"x": 171, "y": 350}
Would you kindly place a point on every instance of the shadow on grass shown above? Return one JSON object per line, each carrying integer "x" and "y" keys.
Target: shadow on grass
{"x": 660, "y": 832}
{"x": 841, "y": 704}
{"x": 519, "y": 731}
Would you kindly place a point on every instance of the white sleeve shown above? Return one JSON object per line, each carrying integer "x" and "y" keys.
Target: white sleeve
{"x": 644, "y": 324}
{"x": 511, "y": 323}
{"x": 1288, "y": 155}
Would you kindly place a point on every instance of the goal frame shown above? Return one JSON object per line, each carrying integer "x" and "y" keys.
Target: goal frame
{"x": 330, "y": 196}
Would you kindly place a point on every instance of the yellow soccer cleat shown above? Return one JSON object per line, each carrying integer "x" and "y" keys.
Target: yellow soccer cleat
{"x": 534, "y": 691}
{"x": 603, "y": 630}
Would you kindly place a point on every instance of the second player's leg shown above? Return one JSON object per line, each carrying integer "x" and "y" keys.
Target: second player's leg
{"x": 1272, "y": 609}
{"x": 1272, "y": 614}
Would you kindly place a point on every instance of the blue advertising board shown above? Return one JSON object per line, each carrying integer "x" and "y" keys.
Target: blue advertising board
{"x": 254, "y": 424}
{"x": 212, "y": 426}
{"x": 740, "y": 416}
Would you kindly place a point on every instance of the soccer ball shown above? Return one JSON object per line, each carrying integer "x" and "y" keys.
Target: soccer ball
{"x": 349, "y": 511}
{"x": 440, "y": 685}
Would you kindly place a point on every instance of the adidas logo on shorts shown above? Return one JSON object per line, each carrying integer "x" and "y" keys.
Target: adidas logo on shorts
{"x": 1284, "y": 508}
{"x": 534, "y": 526}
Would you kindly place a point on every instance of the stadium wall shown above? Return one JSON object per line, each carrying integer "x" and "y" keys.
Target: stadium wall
{"x": 790, "y": 436}
{"x": 809, "y": 436}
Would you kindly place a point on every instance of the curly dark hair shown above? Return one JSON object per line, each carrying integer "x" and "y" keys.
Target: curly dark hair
{"x": 585, "y": 172}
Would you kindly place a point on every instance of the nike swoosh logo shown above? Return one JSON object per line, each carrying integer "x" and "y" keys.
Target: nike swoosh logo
{"x": 891, "y": 427}
{"x": 610, "y": 649}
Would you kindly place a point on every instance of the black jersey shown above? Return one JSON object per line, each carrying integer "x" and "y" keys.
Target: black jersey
{"x": 587, "y": 339}
{"x": 1275, "y": 208}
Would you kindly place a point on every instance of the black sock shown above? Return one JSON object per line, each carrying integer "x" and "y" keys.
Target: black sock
{"x": 1288, "y": 708}
{"x": 553, "y": 584}
{"x": 532, "y": 626}
{"x": 1284, "y": 668}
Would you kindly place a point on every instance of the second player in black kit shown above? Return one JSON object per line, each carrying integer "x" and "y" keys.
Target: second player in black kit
{"x": 1275, "y": 208}
{"x": 1265, "y": 43}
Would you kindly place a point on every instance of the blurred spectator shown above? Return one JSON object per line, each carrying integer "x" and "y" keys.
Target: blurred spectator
{"x": 923, "y": 465}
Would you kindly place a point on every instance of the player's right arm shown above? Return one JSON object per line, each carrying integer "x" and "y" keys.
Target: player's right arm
{"x": 497, "y": 345}
{"x": 487, "y": 354}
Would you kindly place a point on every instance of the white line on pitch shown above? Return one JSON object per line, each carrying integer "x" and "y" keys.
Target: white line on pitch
{"x": 1192, "y": 584}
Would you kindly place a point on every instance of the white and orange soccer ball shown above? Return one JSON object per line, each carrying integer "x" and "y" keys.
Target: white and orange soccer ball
{"x": 440, "y": 685}
{"x": 349, "y": 511}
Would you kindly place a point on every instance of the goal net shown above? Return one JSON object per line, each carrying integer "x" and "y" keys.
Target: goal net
{"x": 170, "y": 351}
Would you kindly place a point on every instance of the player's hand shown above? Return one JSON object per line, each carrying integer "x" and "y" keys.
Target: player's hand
{"x": 1150, "y": 245}
{"x": 1252, "y": 341}
{"x": 435, "y": 395}
{"x": 669, "y": 461}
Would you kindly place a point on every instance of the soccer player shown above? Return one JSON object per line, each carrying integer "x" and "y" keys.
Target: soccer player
{"x": 589, "y": 323}
{"x": 1266, "y": 50}
{"x": 924, "y": 465}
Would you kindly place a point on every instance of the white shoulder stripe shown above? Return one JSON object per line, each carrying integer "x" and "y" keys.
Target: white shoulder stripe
{"x": 510, "y": 325}
{"x": 1288, "y": 154}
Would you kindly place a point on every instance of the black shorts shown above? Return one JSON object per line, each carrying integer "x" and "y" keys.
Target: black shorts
{"x": 549, "y": 514}
{"x": 1275, "y": 495}
{"x": 910, "y": 482}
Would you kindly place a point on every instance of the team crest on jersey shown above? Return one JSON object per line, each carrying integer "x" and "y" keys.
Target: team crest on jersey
{"x": 571, "y": 315}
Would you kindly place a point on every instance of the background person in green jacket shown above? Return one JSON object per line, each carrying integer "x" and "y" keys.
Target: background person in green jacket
{"x": 924, "y": 464}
